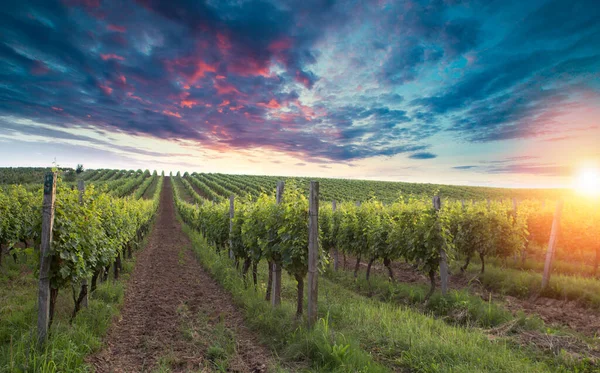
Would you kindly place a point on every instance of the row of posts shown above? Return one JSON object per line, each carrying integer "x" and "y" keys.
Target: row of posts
{"x": 313, "y": 228}
{"x": 313, "y": 254}
{"x": 313, "y": 251}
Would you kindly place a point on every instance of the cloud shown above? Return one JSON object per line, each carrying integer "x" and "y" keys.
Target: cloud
{"x": 422, "y": 155}
{"x": 322, "y": 81}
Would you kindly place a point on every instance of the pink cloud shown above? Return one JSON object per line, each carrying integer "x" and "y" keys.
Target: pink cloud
{"x": 201, "y": 69}
{"x": 280, "y": 45}
{"x": 273, "y": 104}
{"x": 106, "y": 89}
{"x": 111, "y": 56}
{"x": 188, "y": 103}
{"x": 172, "y": 114}
{"x": 224, "y": 88}
{"x": 116, "y": 28}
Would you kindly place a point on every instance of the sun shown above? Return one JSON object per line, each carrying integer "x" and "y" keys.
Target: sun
{"x": 588, "y": 182}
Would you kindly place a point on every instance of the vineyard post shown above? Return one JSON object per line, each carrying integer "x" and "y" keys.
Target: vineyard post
{"x": 231, "y": 211}
{"x": 336, "y": 254}
{"x": 45, "y": 258}
{"x": 84, "y": 282}
{"x": 552, "y": 244}
{"x": 437, "y": 205}
{"x": 276, "y": 288}
{"x": 313, "y": 252}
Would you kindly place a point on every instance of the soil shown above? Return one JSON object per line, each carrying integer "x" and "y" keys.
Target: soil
{"x": 166, "y": 279}
{"x": 200, "y": 192}
{"x": 149, "y": 192}
{"x": 183, "y": 192}
{"x": 556, "y": 312}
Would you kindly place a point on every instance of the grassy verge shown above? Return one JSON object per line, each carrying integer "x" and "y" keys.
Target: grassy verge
{"x": 68, "y": 343}
{"x": 355, "y": 333}
{"x": 461, "y": 308}
{"x": 458, "y": 308}
{"x": 320, "y": 347}
{"x": 560, "y": 267}
{"x": 524, "y": 284}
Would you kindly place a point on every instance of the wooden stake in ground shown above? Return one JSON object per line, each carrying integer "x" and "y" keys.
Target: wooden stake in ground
{"x": 313, "y": 252}
{"x": 437, "y": 205}
{"x": 83, "y": 295}
{"x": 231, "y": 211}
{"x": 45, "y": 258}
{"x": 552, "y": 244}
{"x": 276, "y": 289}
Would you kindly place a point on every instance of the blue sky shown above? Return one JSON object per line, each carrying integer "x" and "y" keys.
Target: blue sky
{"x": 464, "y": 92}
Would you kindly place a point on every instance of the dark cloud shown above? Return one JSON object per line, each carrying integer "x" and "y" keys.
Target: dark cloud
{"x": 423, "y": 155}
{"x": 233, "y": 74}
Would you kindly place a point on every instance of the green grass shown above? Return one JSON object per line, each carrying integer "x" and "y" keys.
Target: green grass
{"x": 321, "y": 347}
{"x": 561, "y": 267}
{"x": 525, "y": 284}
{"x": 459, "y": 307}
{"x": 356, "y": 333}
{"x": 68, "y": 343}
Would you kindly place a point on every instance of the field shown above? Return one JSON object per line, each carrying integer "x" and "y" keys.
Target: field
{"x": 162, "y": 273}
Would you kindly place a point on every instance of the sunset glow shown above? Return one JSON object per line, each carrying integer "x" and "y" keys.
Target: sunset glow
{"x": 588, "y": 182}
{"x": 497, "y": 93}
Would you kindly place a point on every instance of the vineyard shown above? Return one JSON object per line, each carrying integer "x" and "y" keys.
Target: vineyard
{"x": 402, "y": 277}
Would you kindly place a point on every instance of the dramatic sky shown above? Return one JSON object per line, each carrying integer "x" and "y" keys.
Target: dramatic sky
{"x": 487, "y": 92}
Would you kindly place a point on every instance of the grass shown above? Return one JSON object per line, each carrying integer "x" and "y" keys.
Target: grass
{"x": 355, "y": 333}
{"x": 68, "y": 343}
{"x": 536, "y": 264}
{"x": 459, "y": 307}
{"x": 211, "y": 336}
{"x": 525, "y": 284}
{"x": 321, "y": 347}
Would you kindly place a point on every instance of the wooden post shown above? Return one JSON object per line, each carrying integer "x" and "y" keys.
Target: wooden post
{"x": 313, "y": 252}
{"x": 45, "y": 258}
{"x": 84, "y": 282}
{"x": 437, "y": 205}
{"x": 276, "y": 288}
{"x": 231, "y": 211}
{"x": 462, "y": 203}
{"x": 336, "y": 253}
{"x": 552, "y": 244}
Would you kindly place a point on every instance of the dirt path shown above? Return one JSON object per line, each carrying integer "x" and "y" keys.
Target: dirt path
{"x": 197, "y": 190}
{"x": 168, "y": 291}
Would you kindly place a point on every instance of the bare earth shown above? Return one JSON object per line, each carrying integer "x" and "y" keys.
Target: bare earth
{"x": 166, "y": 280}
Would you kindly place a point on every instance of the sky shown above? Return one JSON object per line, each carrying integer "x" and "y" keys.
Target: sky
{"x": 474, "y": 92}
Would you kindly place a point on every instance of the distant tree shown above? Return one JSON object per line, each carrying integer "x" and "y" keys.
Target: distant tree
{"x": 79, "y": 169}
